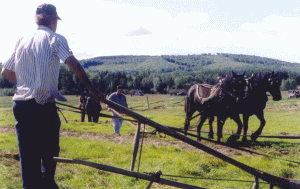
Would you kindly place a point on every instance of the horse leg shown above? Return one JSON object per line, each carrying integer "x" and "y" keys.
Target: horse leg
{"x": 238, "y": 121}
{"x": 200, "y": 124}
{"x": 211, "y": 130}
{"x": 245, "y": 120}
{"x": 220, "y": 124}
{"x": 256, "y": 134}
{"x": 188, "y": 116}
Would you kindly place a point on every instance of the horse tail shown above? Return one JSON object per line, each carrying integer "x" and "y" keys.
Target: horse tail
{"x": 187, "y": 104}
{"x": 187, "y": 110}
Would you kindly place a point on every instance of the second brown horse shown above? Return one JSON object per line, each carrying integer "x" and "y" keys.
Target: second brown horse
{"x": 216, "y": 100}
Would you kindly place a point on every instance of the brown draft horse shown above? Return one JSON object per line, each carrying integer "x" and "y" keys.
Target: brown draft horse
{"x": 218, "y": 100}
{"x": 256, "y": 99}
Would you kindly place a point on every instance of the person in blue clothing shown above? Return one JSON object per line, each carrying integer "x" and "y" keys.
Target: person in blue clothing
{"x": 119, "y": 98}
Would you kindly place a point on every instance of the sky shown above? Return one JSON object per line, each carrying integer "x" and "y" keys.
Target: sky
{"x": 268, "y": 28}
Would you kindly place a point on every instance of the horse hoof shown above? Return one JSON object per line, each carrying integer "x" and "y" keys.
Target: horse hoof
{"x": 254, "y": 137}
{"x": 211, "y": 136}
{"x": 244, "y": 140}
{"x": 233, "y": 138}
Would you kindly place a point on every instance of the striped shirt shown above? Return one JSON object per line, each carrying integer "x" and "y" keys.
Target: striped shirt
{"x": 36, "y": 61}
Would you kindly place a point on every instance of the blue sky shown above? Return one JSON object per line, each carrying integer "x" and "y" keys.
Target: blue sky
{"x": 268, "y": 28}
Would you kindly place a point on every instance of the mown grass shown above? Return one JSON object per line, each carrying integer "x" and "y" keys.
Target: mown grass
{"x": 282, "y": 117}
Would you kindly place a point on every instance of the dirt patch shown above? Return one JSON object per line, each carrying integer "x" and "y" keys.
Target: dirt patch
{"x": 288, "y": 134}
{"x": 7, "y": 130}
{"x": 150, "y": 139}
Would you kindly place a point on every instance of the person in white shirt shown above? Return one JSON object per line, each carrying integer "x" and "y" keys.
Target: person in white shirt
{"x": 34, "y": 68}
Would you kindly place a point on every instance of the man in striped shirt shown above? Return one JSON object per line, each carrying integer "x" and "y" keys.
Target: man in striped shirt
{"x": 34, "y": 68}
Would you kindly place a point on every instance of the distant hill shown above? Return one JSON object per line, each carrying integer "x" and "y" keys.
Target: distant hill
{"x": 189, "y": 63}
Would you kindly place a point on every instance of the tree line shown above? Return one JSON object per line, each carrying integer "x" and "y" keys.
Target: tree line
{"x": 146, "y": 81}
{"x": 177, "y": 73}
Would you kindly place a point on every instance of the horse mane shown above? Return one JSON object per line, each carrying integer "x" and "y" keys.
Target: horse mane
{"x": 260, "y": 76}
{"x": 225, "y": 82}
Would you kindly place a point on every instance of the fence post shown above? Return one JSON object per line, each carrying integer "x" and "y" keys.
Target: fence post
{"x": 148, "y": 103}
{"x": 135, "y": 146}
{"x": 256, "y": 183}
{"x": 149, "y": 185}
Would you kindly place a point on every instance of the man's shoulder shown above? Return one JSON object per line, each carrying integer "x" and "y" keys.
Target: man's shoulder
{"x": 44, "y": 33}
{"x": 113, "y": 94}
{"x": 53, "y": 36}
{"x": 58, "y": 38}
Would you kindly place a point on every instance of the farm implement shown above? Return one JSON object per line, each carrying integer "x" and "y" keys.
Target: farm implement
{"x": 258, "y": 174}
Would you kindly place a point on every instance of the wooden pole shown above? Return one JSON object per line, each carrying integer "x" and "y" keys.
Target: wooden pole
{"x": 149, "y": 185}
{"x": 148, "y": 103}
{"x": 127, "y": 173}
{"x": 256, "y": 183}
{"x": 277, "y": 181}
{"x": 135, "y": 146}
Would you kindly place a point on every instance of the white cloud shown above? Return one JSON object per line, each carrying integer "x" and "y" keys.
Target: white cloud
{"x": 139, "y": 32}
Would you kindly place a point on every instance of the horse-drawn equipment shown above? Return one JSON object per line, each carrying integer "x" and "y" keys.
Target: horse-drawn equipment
{"x": 259, "y": 174}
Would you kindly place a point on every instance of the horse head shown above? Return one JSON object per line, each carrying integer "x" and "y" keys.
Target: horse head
{"x": 274, "y": 82}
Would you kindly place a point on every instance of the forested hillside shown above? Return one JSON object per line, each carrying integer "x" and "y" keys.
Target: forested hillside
{"x": 167, "y": 73}
{"x": 189, "y": 63}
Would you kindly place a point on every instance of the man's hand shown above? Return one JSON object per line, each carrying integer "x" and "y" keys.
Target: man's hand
{"x": 109, "y": 109}
{"x": 10, "y": 75}
{"x": 78, "y": 70}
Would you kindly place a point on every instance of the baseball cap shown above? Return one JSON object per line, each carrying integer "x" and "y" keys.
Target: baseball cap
{"x": 47, "y": 9}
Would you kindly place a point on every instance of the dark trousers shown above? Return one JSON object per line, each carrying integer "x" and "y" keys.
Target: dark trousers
{"x": 93, "y": 117}
{"x": 82, "y": 114}
{"x": 37, "y": 129}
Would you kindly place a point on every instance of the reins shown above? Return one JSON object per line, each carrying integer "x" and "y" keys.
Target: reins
{"x": 100, "y": 114}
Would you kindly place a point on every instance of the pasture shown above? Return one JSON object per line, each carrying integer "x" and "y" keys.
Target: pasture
{"x": 96, "y": 142}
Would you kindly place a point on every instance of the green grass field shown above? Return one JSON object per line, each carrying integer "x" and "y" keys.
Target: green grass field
{"x": 96, "y": 143}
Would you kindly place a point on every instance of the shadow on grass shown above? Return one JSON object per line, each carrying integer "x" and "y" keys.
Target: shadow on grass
{"x": 264, "y": 144}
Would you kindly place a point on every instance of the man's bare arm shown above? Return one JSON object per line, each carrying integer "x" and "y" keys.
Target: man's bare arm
{"x": 10, "y": 75}
{"x": 78, "y": 70}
